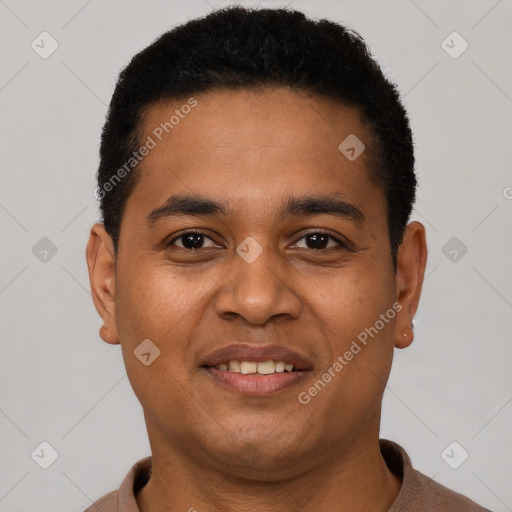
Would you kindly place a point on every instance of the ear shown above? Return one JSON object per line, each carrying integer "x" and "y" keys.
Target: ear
{"x": 411, "y": 262}
{"x": 101, "y": 264}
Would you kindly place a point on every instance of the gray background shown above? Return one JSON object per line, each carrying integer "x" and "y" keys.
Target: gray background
{"x": 61, "y": 384}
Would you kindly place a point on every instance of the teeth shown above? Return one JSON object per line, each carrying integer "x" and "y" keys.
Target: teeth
{"x": 246, "y": 367}
{"x": 279, "y": 366}
{"x": 260, "y": 368}
{"x": 266, "y": 367}
{"x": 234, "y": 366}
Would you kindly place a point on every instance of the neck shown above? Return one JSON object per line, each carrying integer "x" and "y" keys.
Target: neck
{"x": 354, "y": 478}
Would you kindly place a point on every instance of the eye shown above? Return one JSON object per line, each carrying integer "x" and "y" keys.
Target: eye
{"x": 192, "y": 240}
{"x": 320, "y": 240}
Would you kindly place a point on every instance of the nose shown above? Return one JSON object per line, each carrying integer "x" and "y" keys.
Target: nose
{"x": 257, "y": 291}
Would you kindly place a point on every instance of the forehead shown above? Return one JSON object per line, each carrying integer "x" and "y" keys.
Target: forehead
{"x": 253, "y": 145}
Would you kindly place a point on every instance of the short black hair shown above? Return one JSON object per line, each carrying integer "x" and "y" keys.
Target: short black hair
{"x": 243, "y": 48}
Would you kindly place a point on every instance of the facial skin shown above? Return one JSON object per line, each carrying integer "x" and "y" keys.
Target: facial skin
{"x": 213, "y": 448}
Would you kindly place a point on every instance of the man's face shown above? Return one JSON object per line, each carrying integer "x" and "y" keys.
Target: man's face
{"x": 257, "y": 276}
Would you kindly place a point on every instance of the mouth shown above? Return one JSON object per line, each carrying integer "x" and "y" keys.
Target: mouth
{"x": 256, "y": 370}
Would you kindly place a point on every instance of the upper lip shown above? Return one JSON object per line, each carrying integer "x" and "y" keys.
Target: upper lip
{"x": 257, "y": 353}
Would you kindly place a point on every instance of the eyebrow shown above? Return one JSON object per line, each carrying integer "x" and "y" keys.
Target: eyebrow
{"x": 194, "y": 205}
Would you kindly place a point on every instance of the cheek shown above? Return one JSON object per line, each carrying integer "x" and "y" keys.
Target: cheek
{"x": 354, "y": 302}
{"x": 157, "y": 303}
{"x": 357, "y": 317}
{"x": 162, "y": 306}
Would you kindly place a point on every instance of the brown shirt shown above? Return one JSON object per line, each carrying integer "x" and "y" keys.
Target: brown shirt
{"x": 418, "y": 493}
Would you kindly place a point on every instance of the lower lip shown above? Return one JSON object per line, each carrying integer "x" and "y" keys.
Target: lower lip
{"x": 253, "y": 384}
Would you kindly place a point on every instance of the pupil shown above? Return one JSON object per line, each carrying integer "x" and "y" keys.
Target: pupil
{"x": 192, "y": 240}
{"x": 318, "y": 240}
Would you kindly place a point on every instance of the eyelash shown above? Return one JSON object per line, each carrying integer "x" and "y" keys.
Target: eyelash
{"x": 337, "y": 240}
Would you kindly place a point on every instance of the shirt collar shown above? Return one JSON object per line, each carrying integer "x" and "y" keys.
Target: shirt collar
{"x": 395, "y": 456}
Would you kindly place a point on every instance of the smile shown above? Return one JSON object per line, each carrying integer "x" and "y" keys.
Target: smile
{"x": 254, "y": 367}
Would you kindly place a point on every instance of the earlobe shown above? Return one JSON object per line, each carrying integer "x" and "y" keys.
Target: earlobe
{"x": 406, "y": 338}
{"x": 411, "y": 262}
{"x": 101, "y": 265}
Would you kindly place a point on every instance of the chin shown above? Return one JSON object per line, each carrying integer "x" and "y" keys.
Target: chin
{"x": 258, "y": 454}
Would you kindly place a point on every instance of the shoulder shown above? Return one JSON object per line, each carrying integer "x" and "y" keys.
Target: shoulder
{"x": 435, "y": 496}
{"x": 123, "y": 499}
{"x": 420, "y": 493}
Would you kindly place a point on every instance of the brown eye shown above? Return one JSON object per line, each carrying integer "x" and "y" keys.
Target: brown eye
{"x": 191, "y": 241}
{"x": 320, "y": 240}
